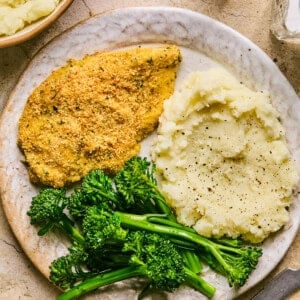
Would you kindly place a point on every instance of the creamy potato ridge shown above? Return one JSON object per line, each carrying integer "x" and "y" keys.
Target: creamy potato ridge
{"x": 16, "y": 14}
{"x": 223, "y": 159}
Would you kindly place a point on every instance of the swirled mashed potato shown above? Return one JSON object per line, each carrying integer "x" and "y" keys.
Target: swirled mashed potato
{"x": 223, "y": 159}
{"x": 16, "y": 14}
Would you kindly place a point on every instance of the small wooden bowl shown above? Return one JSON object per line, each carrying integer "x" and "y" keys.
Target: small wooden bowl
{"x": 35, "y": 28}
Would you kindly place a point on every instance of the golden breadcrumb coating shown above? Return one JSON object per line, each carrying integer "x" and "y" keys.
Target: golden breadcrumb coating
{"x": 92, "y": 113}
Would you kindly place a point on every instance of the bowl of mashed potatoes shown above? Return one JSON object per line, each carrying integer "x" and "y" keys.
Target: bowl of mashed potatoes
{"x": 21, "y": 20}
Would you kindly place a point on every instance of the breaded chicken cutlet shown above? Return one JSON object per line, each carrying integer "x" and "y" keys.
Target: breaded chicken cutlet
{"x": 92, "y": 113}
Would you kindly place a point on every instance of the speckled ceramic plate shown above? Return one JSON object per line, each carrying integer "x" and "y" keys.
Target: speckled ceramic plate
{"x": 205, "y": 43}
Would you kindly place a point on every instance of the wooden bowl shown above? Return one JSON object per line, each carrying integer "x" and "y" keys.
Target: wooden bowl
{"x": 35, "y": 28}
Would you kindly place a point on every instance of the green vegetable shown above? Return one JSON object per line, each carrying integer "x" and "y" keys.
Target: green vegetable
{"x": 96, "y": 188}
{"x": 67, "y": 270}
{"x": 47, "y": 210}
{"x": 138, "y": 191}
{"x": 236, "y": 263}
{"x": 124, "y": 228}
{"x": 152, "y": 257}
{"x": 135, "y": 190}
{"x": 101, "y": 227}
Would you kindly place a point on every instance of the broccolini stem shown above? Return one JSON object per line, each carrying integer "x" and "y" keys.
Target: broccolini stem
{"x": 199, "y": 283}
{"x": 161, "y": 220}
{"x": 101, "y": 280}
{"x": 164, "y": 208}
{"x": 140, "y": 222}
{"x": 71, "y": 230}
{"x": 224, "y": 244}
{"x": 235, "y": 243}
{"x": 184, "y": 245}
{"x": 192, "y": 260}
{"x": 159, "y": 199}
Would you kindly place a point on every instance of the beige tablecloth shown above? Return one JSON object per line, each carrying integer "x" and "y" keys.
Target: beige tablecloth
{"x": 18, "y": 277}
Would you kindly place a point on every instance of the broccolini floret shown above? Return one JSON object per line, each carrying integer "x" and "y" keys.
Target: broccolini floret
{"x": 68, "y": 270}
{"x": 236, "y": 263}
{"x": 138, "y": 189}
{"x": 78, "y": 202}
{"x": 47, "y": 211}
{"x": 133, "y": 190}
{"x": 98, "y": 187}
{"x": 151, "y": 257}
{"x": 101, "y": 227}
{"x": 111, "y": 242}
{"x": 138, "y": 192}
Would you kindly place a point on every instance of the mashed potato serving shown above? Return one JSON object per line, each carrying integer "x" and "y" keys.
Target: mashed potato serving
{"x": 16, "y": 14}
{"x": 223, "y": 160}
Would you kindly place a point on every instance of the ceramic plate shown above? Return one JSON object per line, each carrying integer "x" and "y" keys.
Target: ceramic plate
{"x": 204, "y": 43}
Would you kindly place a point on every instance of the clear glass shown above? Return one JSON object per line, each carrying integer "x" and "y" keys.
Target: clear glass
{"x": 286, "y": 20}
